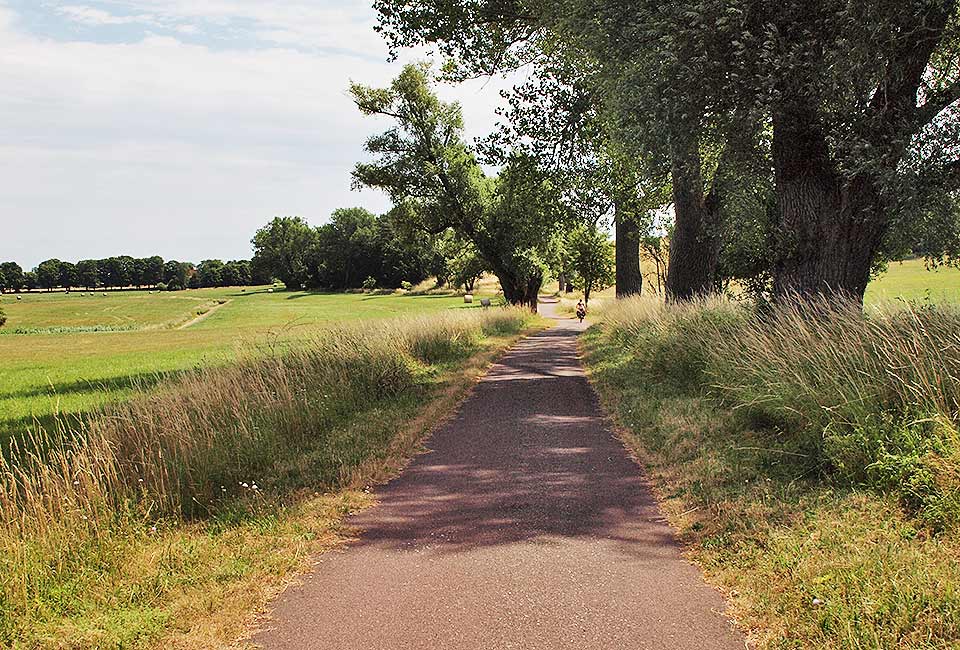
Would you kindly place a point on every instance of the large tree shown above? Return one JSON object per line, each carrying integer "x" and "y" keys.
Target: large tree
{"x": 176, "y": 275}
{"x": 88, "y": 273}
{"x": 69, "y": 276}
{"x": 151, "y": 270}
{"x": 281, "y": 247}
{"x": 48, "y": 274}
{"x": 591, "y": 256}
{"x": 861, "y": 99}
{"x": 558, "y": 116}
{"x": 435, "y": 181}
{"x": 626, "y": 65}
{"x": 236, "y": 273}
{"x": 345, "y": 252}
{"x": 12, "y": 275}
{"x": 210, "y": 273}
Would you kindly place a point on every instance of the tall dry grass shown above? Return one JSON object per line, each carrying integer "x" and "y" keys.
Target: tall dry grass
{"x": 207, "y": 438}
{"x": 875, "y": 395}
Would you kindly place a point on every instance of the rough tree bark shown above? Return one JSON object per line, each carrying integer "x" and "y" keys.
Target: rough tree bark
{"x": 695, "y": 245}
{"x": 629, "y": 280}
{"x": 833, "y": 225}
{"x": 830, "y": 227}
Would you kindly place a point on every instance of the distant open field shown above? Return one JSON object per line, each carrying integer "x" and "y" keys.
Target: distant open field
{"x": 60, "y": 365}
{"x": 911, "y": 281}
{"x": 908, "y": 281}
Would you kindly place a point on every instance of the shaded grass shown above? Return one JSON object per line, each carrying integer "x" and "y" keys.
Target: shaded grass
{"x": 173, "y": 515}
{"x": 806, "y": 557}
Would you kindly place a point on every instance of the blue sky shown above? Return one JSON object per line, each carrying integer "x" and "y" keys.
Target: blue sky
{"x": 177, "y": 127}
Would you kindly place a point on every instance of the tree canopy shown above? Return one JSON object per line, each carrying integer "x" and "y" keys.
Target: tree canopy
{"x": 437, "y": 183}
{"x": 828, "y": 134}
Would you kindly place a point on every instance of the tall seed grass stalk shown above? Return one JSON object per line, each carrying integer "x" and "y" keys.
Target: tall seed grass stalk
{"x": 875, "y": 395}
{"x": 196, "y": 444}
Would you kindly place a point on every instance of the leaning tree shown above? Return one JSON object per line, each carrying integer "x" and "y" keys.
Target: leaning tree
{"x": 436, "y": 183}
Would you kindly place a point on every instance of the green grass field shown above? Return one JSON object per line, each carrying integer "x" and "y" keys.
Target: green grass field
{"x": 911, "y": 281}
{"x": 60, "y": 366}
{"x": 53, "y": 361}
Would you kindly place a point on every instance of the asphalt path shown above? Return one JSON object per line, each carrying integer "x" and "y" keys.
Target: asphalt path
{"x": 526, "y": 525}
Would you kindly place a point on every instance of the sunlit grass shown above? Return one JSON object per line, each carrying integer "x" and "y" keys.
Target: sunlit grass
{"x": 911, "y": 281}
{"x": 810, "y": 462}
{"x": 46, "y": 374}
{"x": 195, "y": 496}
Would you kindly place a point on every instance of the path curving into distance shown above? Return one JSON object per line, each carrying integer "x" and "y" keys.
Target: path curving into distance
{"x": 526, "y": 526}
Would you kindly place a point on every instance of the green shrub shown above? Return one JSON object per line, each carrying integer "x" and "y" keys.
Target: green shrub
{"x": 406, "y": 285}
{"x": 370, "y": 283}
{"x": 3, "y": 317}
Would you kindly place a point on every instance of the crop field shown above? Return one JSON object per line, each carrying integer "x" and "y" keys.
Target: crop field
{"x": 65, "y": 353}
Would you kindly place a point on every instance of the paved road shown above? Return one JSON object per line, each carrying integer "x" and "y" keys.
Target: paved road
{"x": 527, "y": 526}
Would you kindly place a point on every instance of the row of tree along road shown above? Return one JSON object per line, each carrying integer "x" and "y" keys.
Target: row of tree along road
{"x": 355, "y": 249}
{"x": 788, "y": 148}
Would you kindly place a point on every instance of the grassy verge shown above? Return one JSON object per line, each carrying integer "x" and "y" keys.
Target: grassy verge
{"x": 167, "y": 520}
{"x": 752, "y": 432}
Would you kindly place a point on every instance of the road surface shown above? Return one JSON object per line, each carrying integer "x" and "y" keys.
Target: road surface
{"x": 526, "y": 526}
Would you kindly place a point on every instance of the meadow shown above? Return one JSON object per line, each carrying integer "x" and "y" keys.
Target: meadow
{"x": 67, "y": 353}
{"x": 911, "y": 281}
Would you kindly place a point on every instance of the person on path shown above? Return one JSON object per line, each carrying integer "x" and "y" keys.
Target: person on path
{"x": 581, "y": 311}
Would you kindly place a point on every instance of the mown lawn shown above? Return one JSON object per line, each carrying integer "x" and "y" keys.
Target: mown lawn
{"x": 46, "y": 372}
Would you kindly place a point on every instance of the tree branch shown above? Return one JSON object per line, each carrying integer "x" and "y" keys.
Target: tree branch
{"x": 936, "y": 103}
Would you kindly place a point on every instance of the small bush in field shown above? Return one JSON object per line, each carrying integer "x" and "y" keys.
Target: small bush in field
{"x": 3, "y": 317}
{"x": 370, "y": 283}
{"x": 406, "y": 285}
{"x": 161, "y": 286}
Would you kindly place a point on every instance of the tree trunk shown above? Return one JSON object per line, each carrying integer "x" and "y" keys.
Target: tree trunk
{"x": 521, "y": 291}
{"x": 561, "y": 281}
{"x": 830, "y": 227}
{"x": 629, "y": 280}
{"x": 695, "y": 245}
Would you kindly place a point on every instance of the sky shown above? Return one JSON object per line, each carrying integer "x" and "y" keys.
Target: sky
{"x": 178, "y": 127}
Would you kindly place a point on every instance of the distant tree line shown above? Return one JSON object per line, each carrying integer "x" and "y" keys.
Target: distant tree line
{"x": 125, "y": 271}
{"x": 360, "y": 249}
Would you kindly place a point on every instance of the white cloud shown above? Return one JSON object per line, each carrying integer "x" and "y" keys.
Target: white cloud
{"x": 94, "y": 17}
{"x": 334, "y": 25}
{"x": 159, "y": 146}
